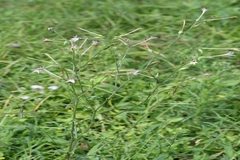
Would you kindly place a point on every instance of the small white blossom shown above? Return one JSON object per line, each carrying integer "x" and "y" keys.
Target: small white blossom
{"x": 47, "y": 40}
{"x": 71, "y": 80}
{"x": 53, "y": 88}
{"x": 50, "y": 28}
{"x": 208, "y": 74}
{"x": 95, "y": 43}
{"x": 193, "y": 62}
{"x": 37, "y": 87}
{"x": 153, "y": 37}
{"x": 38, "y": 70}
{"x": 73, "y": 47}
{"x": 134, "y": 72}
{"x": 204, "y": 10}
{"x": 230, "y": 53}
{"x": 15, "y": 45}
{"x": 74, "y": 39}
{"x": 24, "y": 97}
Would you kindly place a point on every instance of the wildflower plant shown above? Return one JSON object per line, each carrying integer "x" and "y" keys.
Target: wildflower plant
{"x": 82, "y": 86}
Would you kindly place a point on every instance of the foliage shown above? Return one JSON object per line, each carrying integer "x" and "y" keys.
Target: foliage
{"x": 132, "y": 98}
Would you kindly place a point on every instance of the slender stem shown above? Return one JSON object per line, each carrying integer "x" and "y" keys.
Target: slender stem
{"x": 119, "y": 67}
{"x": 73, "y": 125}
{"x": 162, "y": 83}
{"x": 235, "y": 49}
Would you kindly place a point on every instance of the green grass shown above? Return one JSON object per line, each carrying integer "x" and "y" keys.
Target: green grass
{"x": 170, "y": 110}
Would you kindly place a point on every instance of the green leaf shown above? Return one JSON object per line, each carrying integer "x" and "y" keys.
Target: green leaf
{"x": 228, "y": 149}
{"x": 214, "y": 156}
{"x": 176, "y": 120}
{"x": 161, "y": 157}
{"x": 93, "y": 150}
{"x": 19, "y": 128}
{"x": 231, "y": 82}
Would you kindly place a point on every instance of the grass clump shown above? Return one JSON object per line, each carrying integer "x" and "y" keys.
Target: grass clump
{"x": 119, "y": 80}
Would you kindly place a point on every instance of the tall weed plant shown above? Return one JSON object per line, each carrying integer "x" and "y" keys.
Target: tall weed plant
{"x": 90, "y": 78}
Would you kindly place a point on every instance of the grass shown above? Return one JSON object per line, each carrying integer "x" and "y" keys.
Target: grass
{"x": 169, "y": 110}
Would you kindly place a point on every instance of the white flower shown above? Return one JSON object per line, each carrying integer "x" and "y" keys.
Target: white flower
{"x": 193, "y": 62}
{"x": 47, "y": 40}
{"x": 71, "y": 80}
{"x": 230, "y": 53}
{"x": 73, "y": 47}
{"x": 153, "y": 37}
{"x": 37, "y": 87}
{"x": 208, "y": 74}
{"x": 38, "y": 70}
{"x": 74, "y": 39}
{"x": 134, "y": 72}
{"x": 53, "y": 88}
{"x": 95, "y": 43}
{"x": 204, "y": 10}
{"x": 15, "y": 45}
{"x": 24, "y": 97}
{"x": 50, "y": 28}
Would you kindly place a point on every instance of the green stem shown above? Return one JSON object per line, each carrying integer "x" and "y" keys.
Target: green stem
{"x": 72, "y": 146}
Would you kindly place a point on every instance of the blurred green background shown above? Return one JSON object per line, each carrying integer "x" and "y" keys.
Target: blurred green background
{"x": 190, "y": 116}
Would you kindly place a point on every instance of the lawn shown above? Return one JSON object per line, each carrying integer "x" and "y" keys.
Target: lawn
{"x": 119, "y": 79}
